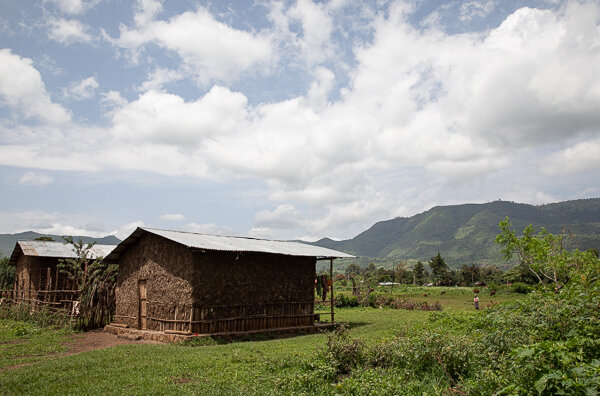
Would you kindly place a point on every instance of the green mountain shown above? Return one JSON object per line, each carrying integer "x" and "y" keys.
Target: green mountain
{"x": 8, "y": 241}
{"x": 465, "y": 234}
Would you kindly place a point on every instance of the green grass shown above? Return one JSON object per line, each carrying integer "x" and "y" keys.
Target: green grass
{"x": 451, "y": 298}
{"x": 22, "y": 342}
{"x": 260, "y": 367}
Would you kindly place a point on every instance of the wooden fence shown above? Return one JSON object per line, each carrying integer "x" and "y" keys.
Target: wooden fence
{"x": 55, "y": 300}
{"x": 237, "y": 318}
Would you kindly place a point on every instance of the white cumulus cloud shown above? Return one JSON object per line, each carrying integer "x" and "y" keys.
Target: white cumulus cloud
{"x": 126, "y": 229}
{"x": 211, "y": 50}
{"x": 83, "y": 89}
{"x": 172, "y": 216}
{"x": 22, "y": 89}
{"x": 35, "y": 179}
{"x": 67, "y": 31}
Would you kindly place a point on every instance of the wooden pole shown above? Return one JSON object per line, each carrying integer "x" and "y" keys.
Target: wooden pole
{"x": 331, "y": 277}
{"x": 55, "y": 297}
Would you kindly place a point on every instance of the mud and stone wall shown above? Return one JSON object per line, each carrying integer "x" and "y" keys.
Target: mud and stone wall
{"x": 167, "y": 269}
{"x": 23, "y": 276}
{"x": 236, "y": 284}
{"x": 248, "y": 278}
{"x": 31, "y": 277}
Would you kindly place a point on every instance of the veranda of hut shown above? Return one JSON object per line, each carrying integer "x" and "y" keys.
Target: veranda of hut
{"x": 163, "y": 285}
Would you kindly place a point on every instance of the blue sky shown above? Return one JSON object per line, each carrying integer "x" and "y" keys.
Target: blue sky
{"x": 290, "y": 119}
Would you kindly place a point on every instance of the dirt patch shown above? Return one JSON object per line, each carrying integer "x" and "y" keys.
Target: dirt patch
{"x": 182, "y": 380}
{"x": 82, "y": 342}
{"x": 96, "y": 339}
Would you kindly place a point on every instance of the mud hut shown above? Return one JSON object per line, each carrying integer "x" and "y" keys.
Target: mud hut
{"x": 37, "y": 277}
{"x": 181, "y": 282}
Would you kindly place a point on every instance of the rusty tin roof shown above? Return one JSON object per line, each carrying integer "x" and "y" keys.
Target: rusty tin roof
{"x": 54, "y": 249}
{"x": 229, "y": 243}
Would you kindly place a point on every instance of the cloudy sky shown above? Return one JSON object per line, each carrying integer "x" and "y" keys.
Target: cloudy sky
{"x": 290, "y": 119}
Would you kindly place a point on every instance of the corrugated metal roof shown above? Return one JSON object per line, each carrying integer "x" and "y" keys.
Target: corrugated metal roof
{"x": 55, "y": 249}
{"x": 230, "y": 243}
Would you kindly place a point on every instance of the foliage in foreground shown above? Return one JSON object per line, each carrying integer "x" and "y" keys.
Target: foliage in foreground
{"x": 546, "y": 343}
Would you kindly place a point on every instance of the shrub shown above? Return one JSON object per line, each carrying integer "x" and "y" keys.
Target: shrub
{"x": 342, "y": 300}
{"x": 520, "y": 287}
{"x": 342, "y": 352}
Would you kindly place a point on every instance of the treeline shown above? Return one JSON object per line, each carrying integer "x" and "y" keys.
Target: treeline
{"x": 436, "y": 272}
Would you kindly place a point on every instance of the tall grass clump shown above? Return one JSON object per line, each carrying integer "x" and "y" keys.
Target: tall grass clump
{"x": 40, "y": 316}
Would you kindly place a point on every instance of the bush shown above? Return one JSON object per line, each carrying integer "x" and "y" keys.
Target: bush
{"x": 342, "y": 300}
{"x": 520, "y": 287}
{"x": 343, "y": 353}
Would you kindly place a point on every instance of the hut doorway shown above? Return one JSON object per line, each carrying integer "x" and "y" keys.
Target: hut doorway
{"x": 143, "y": 305}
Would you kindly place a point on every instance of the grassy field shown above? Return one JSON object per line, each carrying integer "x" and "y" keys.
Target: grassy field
{"x": 258, "y": 367}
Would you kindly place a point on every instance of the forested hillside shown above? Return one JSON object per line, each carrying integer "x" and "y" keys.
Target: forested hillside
{"x": 465, "y": 234}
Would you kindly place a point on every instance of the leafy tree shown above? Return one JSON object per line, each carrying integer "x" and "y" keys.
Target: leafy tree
{"x": 519, "y": 273}
{"x": 544, "y": 256}
{"x": 469, "y": 274}
{"x": 399, "y": 272}
{"x": 439, "y": 269}
{"x": 451, "y": 278}
{"x": 76, "y": 269}
{"x": 352, "y": 269}
{"x": 44, "y": 238}
{"x": 491, "y": 274}
{"x": 419, "y": 272}
{"x": 367, "y": 271}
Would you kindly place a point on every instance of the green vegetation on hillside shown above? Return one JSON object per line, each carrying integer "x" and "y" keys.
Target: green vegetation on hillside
{"x": 464, "y": 234}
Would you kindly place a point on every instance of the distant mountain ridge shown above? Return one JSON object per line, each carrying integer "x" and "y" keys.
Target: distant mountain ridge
{"x": 465, "y": 234}
{"x": 8, "y": 241}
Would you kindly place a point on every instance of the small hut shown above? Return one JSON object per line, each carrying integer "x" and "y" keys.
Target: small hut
{"x": 182, "y": 282}
{"x": 37, "y": 276}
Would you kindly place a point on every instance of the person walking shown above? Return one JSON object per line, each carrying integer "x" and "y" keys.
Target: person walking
{"x": 476, "y": 301}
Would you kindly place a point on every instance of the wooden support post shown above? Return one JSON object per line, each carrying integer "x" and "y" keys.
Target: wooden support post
{"x": 55, "y": 297}
{"x": 331, "y": 277}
